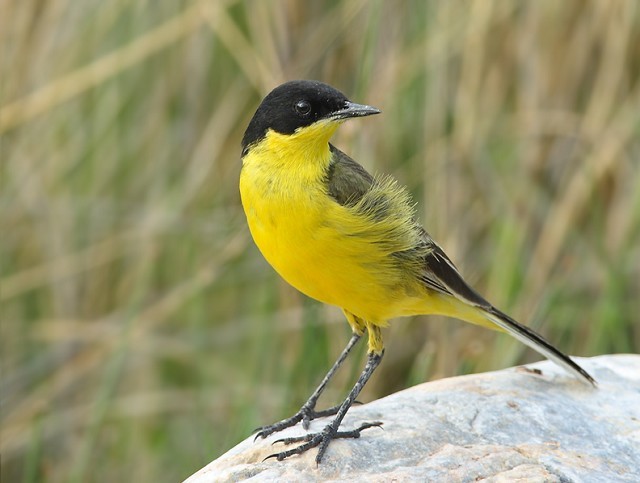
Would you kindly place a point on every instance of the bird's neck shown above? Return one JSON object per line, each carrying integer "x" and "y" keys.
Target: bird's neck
{"x": 303, "y": 153}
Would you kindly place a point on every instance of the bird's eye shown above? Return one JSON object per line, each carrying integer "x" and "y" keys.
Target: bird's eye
{"x": 303, "y": 108}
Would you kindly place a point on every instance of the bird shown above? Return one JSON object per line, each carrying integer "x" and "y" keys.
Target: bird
{"x": 350, "y": 239}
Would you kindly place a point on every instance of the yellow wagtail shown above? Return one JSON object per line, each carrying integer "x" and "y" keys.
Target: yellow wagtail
{"x": 346, "y": 238}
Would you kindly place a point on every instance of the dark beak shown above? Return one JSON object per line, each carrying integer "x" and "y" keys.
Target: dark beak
{"x": 351, "y": 109}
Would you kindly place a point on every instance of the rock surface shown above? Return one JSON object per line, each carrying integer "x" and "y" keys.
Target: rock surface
{"x": 515, "y": 424}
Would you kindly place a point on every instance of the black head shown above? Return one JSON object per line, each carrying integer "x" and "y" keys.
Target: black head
{"x": 297, "y": 104}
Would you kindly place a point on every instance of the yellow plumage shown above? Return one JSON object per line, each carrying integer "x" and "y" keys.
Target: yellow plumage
{"x": 339, "y": 255}
{"x": 346, "y": 238}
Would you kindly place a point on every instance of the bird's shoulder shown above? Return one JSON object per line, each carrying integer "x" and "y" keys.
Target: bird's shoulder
{"x": 346, "y": 180}
{"x": 381, "y": 200}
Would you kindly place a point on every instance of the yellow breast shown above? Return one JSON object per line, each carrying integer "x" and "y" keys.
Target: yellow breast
{"x": 308, "y": 237}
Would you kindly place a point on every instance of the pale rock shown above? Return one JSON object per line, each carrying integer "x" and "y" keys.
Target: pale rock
{"x": 511, "y": 425}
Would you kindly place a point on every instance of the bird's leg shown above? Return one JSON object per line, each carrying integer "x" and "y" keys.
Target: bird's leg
{"x": 307, "y": 412}
{"x": 330, "y": 432}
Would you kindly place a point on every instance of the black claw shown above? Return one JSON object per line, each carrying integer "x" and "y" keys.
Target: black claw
{"x": 259, "y": 435}
{"x": 374, "y": 424}
{"x": 263, "y": 433}
{"x": 274, "y": 455}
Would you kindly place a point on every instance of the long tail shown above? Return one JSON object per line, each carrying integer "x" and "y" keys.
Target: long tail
{"x": 537, "y": 343}
{"x": 458, "y": 299}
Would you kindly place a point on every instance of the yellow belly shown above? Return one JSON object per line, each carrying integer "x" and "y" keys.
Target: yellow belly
{"x": 309, "y": 253}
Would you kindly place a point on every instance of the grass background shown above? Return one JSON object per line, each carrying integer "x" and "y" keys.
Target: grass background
{"x": 143, "y": 334}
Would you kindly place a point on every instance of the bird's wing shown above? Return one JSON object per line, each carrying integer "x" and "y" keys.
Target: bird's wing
{"x": 439, "y": 273}
{"x": 347, "y": 181}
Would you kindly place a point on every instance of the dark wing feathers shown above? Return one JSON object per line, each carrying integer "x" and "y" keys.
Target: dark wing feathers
{"x": 346, "y": 180}
{"x": 439, "y": 271}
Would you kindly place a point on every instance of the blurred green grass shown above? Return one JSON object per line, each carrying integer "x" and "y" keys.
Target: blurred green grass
{"x": 143, "y": 334}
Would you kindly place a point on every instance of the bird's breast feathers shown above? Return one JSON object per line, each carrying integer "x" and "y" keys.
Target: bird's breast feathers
{"x": 354, "y": 256}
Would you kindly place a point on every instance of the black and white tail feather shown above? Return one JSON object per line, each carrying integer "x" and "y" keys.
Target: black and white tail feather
{"x": 537, "y": 343}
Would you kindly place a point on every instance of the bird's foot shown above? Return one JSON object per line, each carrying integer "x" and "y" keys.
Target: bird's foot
{"x": 306, "y": 414}
{"x": 322, "y": 439}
